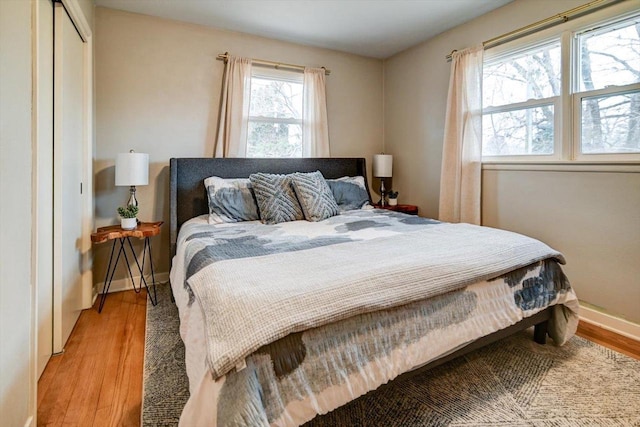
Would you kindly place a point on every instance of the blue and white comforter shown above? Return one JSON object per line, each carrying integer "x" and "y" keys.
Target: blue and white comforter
{"x": 315, "y": 366}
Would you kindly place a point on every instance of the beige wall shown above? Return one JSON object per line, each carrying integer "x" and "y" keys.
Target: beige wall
{"x": 591, "y": 217}
{"x": 157, "y": 91}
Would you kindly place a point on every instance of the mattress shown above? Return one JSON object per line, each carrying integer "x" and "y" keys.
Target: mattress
{"x": 289, "y": 381}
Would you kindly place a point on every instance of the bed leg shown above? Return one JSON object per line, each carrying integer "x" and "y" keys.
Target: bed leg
{"x": 540, "y": 332}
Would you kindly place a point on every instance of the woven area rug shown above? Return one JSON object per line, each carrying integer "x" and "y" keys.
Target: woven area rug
{"x": 513, "y": 382}
{"x": 166, "y": 386}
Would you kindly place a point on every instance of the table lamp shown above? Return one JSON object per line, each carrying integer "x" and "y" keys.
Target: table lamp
{"x": 382, "y": 168}
{"x": 132, "y": 169}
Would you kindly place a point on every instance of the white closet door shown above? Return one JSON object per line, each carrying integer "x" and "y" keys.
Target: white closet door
{"x": 68, "y": 171}
{"x": 44, "y": 174}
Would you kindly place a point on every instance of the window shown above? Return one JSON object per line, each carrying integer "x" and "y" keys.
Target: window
{"x": 275, "y": 114}
{"x": 572, "y": 95}
{"x": 608, "y": 96}
{"x": 521, "y": 94}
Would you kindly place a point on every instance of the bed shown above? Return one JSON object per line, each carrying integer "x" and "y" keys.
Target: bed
{"x": 282, "y": 322}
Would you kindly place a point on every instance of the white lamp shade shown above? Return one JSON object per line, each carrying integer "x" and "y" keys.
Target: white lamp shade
{"x": 132, "y": 169}
{"x": 383, "y": 165}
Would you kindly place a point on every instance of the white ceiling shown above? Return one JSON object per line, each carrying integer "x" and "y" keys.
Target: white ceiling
{"x": 375, "y": 28}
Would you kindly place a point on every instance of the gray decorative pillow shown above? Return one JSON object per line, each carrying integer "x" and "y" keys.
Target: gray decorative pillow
{"x": 230, "y": 200}
{"x": 314, "y": 196}
{"x": 276, "y": 199}
{"x": 349, "y": 192}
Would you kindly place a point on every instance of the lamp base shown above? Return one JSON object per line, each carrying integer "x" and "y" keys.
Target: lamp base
{"x": 132, "y": 198}
{"x": 383, "y": 191}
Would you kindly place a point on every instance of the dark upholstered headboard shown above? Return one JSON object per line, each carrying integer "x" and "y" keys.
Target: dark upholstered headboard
{"x": 188, "y": 196}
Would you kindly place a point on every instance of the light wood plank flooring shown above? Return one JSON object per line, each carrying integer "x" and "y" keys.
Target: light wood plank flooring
{"x": 98, "y": 379}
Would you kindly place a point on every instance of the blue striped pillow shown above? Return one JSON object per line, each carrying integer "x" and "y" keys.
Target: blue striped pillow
{"x": 276, "y": 199}
{"x": 314, "y": 195}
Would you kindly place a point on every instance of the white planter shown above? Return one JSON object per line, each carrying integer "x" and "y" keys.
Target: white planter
{"x": 393, "y": 202}
{"x": 128, "y": 223}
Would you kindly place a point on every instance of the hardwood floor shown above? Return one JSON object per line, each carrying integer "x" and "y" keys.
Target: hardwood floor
{"x": 609, "y": 339}
{"x": 98, "y": 379}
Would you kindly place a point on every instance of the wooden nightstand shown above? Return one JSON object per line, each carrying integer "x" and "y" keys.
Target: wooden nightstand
{"x": 144, "y": 230}
{"x": 408, "y": 209}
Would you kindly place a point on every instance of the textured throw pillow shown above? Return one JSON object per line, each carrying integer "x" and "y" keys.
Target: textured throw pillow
{"x": 314, "y": 195}
{"x": 276, "y": 199}
{"x": 230, "y": 200}
{"x": 349, "y": 192}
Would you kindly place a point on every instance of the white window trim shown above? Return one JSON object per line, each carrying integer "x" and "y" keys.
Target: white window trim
{"x": 530, "y": 103}
{"x": 276, "y": 74}
{"x": 564, "y": 166}
{"x": 279, "y": 120}
{"x": 566, "y": 124}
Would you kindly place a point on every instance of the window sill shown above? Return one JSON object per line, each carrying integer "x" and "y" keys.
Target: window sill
{"x": 565, "y": 166}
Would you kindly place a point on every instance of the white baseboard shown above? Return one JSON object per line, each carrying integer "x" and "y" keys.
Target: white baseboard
{"x": 609, "y": 322}
{"x": 125, "y": 284}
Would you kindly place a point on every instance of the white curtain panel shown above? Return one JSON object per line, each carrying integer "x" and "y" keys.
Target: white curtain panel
{"x": 460, "y": 180}
{"x": 315, "y": 130}
{"x": 231, "y": 140}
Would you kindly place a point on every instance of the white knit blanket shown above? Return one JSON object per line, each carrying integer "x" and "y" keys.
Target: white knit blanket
{"x": 250, "y": 302}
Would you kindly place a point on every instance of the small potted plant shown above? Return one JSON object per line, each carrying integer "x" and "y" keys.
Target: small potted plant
{"x": 128, "y": 220}
{"x": 393, "y": 197}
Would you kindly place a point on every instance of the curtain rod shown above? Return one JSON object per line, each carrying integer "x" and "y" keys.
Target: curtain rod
{"x": 276, "y": 65}
{"x": 544, "y": 23}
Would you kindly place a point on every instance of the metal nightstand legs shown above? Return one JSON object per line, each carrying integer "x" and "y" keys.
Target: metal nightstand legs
{"x": 111, "y": 269}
